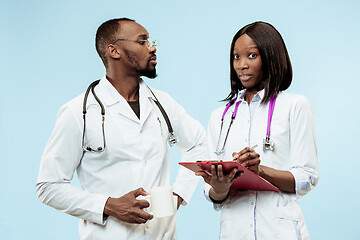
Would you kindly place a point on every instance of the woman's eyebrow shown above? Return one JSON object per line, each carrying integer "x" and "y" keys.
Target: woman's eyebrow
{"x": 254, "y": 46}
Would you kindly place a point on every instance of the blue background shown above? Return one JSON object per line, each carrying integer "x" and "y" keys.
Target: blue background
{"x": 47, "y": 57}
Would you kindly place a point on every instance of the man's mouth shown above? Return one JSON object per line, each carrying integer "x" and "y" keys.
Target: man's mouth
{"x": 153, "y": 60}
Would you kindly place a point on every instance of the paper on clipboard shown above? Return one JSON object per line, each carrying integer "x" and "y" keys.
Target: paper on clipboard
{"x": 248, "y": 180}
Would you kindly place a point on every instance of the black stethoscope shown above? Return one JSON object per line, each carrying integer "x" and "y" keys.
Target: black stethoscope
{"x": 171, "y": 137}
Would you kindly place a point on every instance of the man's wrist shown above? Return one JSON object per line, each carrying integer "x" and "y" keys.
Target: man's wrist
{"x": 179, "y": 200}
{"x": 106, "y": 212}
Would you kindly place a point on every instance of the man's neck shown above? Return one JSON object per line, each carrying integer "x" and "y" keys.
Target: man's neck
{"x": 127, "y": 86}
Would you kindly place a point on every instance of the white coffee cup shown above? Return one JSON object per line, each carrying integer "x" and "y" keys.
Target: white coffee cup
{"x": 161, "y": 201}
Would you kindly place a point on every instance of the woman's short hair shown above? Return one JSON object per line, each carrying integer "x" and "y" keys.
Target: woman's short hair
{"x": 276, "y": 65}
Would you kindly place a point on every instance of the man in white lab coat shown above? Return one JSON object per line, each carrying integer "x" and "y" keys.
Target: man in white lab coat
{"x": 117, "y": 163}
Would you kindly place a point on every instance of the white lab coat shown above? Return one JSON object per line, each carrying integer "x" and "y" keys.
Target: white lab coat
{"x": 259, "y": 214}
{"x": 136, "y": 156}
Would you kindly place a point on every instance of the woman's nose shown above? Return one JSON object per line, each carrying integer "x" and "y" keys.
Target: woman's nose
{"x": 242, "y": 64}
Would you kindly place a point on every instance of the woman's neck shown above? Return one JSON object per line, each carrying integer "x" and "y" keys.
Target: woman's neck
{"x": 249, "y": 95}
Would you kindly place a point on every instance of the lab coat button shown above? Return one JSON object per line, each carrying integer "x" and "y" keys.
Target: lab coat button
{"x": 251, "y": 225}
{"x": 252, "y": 203}
{"x": 147, "y": 227}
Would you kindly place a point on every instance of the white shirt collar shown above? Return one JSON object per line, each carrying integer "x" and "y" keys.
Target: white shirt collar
{"x": 257, "y": 97}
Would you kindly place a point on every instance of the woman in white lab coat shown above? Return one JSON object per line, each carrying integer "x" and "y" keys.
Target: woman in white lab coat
{"x": 259, "y": 113}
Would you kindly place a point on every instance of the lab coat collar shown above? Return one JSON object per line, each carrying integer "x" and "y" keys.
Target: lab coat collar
{"x": 112, "y": 99}
{"x": 260, "y": 94}
{"x": 108, "y": 93}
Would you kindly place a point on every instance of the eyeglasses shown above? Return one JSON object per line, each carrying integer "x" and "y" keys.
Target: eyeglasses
{"x": 149, "y": 42}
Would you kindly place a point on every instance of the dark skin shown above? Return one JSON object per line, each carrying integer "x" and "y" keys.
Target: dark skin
{"x": 122, "y": 72}
{"x": 248, "y": 66}
{"x": 127, "y": 208}
{"x": 250, "y": 159}
{"x": 220, "y": 183}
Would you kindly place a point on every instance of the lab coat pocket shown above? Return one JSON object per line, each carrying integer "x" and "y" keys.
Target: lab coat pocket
{"x": 162, "y": 131}
{"x": 153, "y": 139}
{"x": 227, "y": 228}
{"x": 288, "y": 223}
{"x": 92, "y": 231}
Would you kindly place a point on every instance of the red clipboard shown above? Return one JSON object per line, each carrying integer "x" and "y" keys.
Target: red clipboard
{"x": 248, "y": 180}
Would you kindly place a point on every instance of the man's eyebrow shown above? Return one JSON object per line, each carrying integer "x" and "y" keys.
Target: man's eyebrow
{"x": 144, "y": 36}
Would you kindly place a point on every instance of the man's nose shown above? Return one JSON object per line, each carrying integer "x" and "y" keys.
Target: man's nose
{"x": 152, "y": 49}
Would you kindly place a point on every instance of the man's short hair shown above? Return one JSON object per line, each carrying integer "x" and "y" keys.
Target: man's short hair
{"x": 106, "y": 34}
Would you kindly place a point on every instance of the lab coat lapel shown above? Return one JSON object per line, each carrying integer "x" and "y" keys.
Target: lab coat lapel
{"x": 115, "y": 103}
{"x": 146, "y": 105}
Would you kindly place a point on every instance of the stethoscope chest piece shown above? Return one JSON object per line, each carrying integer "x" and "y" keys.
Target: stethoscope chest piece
{"x": 268, "y": 144}
{"x": 172, "y": 138}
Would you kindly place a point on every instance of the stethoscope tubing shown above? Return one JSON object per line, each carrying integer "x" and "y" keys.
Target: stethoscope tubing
{"x": 91, "y": 87}
{"x": 268, "y": 145}
{"x": 172, "y": 138}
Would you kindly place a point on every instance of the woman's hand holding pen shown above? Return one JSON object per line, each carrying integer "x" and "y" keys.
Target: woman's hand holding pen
{"x": 220, "y": 183}
{"x": 249, "y": 159}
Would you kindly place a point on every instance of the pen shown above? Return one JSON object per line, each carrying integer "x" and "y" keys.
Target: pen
{"x": 160, "y": 126}
{"x": 252, "y": 148}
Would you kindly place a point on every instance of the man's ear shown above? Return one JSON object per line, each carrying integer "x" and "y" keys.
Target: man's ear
{"x": 113, "y": 51}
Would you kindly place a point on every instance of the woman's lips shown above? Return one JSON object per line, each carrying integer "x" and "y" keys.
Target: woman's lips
{"x": 245, "y": 77}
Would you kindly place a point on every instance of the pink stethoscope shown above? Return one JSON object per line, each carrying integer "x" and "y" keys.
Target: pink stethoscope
{"x": 267, "y": 143}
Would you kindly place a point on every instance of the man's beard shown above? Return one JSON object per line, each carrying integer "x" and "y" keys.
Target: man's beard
{"x": 147, "y": 72}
